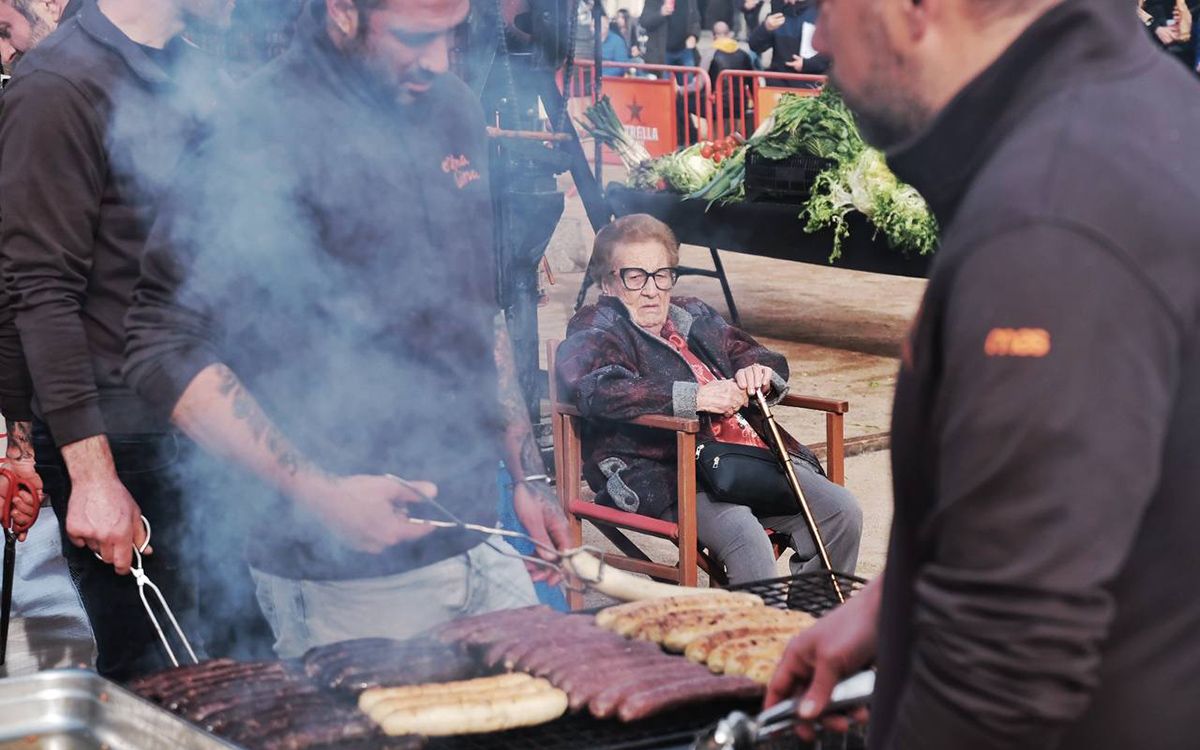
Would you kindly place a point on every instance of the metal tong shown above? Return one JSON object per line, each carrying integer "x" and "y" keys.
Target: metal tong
{"x": 143, "y": 582}
{"x": 739, "y": 731}
{"x": 572, "y": 580}
{"x": 785, "y": 461}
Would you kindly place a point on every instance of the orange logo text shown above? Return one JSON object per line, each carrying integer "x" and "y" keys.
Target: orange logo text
{"x": 460, "y": 167}
{"x": 1017, "y": 342}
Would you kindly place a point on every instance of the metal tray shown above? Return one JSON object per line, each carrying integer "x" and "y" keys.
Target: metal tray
{"x": 73, "y": 709}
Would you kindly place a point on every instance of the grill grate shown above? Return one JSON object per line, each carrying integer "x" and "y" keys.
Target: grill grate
{"x": 807, "y": 592}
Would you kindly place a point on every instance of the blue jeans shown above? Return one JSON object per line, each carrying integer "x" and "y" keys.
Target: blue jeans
{"x": 304, "y": 614}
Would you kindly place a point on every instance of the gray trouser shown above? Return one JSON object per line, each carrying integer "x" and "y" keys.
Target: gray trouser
{"x": 737, "y": 538}
{"x": 304, "y": 614}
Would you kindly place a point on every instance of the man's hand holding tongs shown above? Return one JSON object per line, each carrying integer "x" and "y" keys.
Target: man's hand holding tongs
{"x": 538, "y": 509}
{"x": 367, "y": 512}
{"x": 23, "y": 502}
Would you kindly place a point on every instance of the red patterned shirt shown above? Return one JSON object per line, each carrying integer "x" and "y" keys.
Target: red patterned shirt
{"x": 733, "y": 429}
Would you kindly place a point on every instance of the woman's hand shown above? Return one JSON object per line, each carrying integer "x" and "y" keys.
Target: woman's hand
{"x": 754, "y": 378}
{"x": 724, "y": 397}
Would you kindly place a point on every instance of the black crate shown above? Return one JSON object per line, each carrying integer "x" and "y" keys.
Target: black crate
{"x": 786, "y": 180}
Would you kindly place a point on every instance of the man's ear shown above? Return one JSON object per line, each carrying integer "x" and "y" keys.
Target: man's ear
{"x": 917, "y": 14}
{"x": 343, "y": 19}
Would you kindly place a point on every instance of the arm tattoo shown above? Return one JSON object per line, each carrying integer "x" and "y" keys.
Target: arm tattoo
{"x": 20, "y": 440}
{"x": 246, "y": 409}
{"x": 512, "y": 402}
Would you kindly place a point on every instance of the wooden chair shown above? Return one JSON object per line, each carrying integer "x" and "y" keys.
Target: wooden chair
{"x": 568, "y": 469}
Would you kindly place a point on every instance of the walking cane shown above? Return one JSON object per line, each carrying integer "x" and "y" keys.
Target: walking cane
{"x": 790, "y": 472}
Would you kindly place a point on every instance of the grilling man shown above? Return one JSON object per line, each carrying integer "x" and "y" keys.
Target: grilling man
{"x": 322, "y": 315}
{"x": 1041, "y": 586}
{"x": 89, "y": 127}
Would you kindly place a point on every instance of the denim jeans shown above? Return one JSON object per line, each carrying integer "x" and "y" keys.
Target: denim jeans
{"x": 304, "y": 614}
{"x": 202, "y": 591}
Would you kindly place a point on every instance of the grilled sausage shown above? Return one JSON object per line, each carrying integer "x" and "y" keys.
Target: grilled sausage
{"x": 664, "y": 697}
{"x": 605, "y": 703}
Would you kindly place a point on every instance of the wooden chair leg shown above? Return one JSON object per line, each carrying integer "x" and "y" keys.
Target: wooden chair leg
{"x": 570, "y": 477}
{"x": 835, "y": 442}
{"x": 686, "y": 472}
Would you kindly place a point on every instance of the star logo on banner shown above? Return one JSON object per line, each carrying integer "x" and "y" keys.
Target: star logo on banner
{"x": 635, "y": 111}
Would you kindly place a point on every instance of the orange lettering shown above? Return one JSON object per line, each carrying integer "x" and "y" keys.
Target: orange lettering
{"x": 1017, "y": 342}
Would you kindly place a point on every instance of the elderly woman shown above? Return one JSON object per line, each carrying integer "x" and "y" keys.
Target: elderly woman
{"x": 637, "y": 351}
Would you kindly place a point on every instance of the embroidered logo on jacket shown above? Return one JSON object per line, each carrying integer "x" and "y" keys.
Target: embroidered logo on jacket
{"x": 1017, "y": 342}
{"x": 460, "y": 167}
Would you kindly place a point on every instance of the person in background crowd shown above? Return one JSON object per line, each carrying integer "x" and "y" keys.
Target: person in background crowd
{"x": 752, "y": 14}
{"x": 727, "y": 55}
{"x": 1171, "y": 22}
{"x": 321, "y": 347}
{"x": 788, "y": 33}
{"x": 1039, "y": 590}
{"x": 87, "y": 133}
{"x": 613, "y": 47}
{"x": 718, "y": 11}
{"x": 24, "y": 23}
{"x": 673, "y": 28}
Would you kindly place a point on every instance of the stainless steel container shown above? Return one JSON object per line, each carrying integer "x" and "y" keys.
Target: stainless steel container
{"x": 73, "y": 709}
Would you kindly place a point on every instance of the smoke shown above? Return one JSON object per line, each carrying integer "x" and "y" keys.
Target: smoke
{"x": 332, "y": 262}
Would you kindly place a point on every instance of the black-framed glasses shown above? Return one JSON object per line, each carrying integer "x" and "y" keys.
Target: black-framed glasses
{"x": 635, "y": 279}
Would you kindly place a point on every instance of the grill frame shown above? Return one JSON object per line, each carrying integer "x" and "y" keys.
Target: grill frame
{"x": 806, "y": 592}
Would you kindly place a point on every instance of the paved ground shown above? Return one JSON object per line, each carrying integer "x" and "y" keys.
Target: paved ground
{"x": 841, "y": 331}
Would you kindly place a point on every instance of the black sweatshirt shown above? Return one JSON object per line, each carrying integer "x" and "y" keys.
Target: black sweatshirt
{"x": 335, "y": 250}
{"x": 89, "y": 130}
{"x": 1042, "y": 587}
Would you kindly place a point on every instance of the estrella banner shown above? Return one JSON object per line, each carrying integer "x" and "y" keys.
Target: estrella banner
{"x": 766, "y": 99}
{"x": 646, "y": 107}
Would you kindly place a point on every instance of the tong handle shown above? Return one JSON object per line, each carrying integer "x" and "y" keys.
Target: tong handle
{"x": 852, "y": 692}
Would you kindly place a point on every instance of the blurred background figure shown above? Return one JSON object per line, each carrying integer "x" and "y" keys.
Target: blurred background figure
{"x": 24, "y": 23}
{"x": 1172, "y": 24}
{"x": 788, "y": 34}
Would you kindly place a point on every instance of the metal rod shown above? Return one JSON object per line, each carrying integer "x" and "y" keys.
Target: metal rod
{"x": 790, "y": 472}
{"x": 527, "y": 135}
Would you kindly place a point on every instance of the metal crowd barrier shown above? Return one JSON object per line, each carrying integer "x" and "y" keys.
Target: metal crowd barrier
{"x": 744, "y": 98}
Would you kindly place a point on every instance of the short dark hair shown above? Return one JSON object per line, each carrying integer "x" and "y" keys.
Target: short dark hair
{"x": 632, "y": 228}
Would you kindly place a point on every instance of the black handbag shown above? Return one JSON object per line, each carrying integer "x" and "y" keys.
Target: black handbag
{"x": 745, "y": 475}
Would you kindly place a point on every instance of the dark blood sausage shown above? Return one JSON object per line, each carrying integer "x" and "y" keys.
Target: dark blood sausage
{"x": 658, "y": 698}
{"x": 260, "y": 696}
{"x": 604, "y": 705}
{"x": 449, "y": 668}
{"x": 187, "y": 691}
{"x": 150, "y": 685}
{"x": 461, "y": 630}
{"x": 312, "y": 730}
{"x": 321, "y": 658}
{"x": 555, "y": 666}
{"x": 281, "y": 709}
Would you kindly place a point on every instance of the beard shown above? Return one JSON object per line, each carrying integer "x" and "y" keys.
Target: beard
{"x": 886, "y": 103}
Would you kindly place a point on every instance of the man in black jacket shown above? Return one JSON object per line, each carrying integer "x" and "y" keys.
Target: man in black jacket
{"x": 322, "y": 317}
{"x": 1039, "y": 590}
{"x": 673, "y": 30}
{"x": 788, "y": 33}
{"x": 89, "y": 128}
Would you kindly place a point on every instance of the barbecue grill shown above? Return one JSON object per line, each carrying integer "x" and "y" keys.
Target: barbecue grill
{"x": 87, "y": 711}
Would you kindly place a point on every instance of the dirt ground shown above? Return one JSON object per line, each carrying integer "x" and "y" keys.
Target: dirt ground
{"x": 840, "y": 330}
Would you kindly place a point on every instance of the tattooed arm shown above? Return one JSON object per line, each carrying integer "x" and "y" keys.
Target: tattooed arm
{"x": 20, "y": 460}
{"x": 534, "y": 501}
{"x": 225, "y": 419}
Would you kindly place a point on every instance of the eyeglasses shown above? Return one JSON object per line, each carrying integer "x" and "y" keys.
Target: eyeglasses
{"x": 635, "y": 279}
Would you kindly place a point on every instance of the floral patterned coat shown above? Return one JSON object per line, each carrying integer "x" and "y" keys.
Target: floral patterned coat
{"x": 611, "y": 369}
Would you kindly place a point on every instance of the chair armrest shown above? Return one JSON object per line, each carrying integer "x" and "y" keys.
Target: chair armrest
{"x": 655, "y": 421}
{"x": 816, "y": 403}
